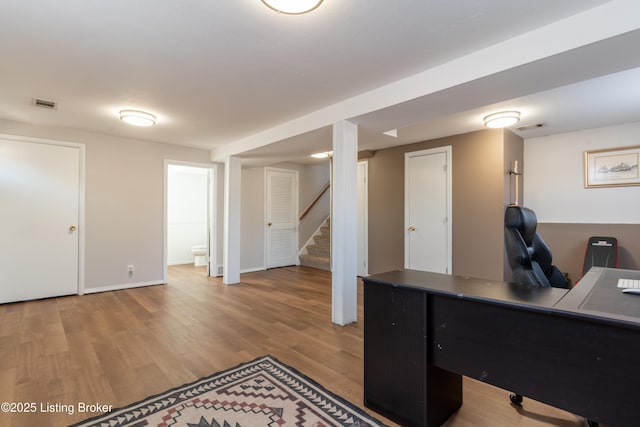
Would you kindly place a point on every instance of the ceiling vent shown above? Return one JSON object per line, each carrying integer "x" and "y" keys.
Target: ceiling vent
{"x": 530, "y": 127}
{"x": 43, "y": 103}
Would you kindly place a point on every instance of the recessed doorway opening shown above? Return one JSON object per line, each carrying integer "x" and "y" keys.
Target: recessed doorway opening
{"x": 189, "y": 216}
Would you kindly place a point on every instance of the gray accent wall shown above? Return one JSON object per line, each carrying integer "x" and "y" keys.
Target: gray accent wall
{"x": 568, "y": 242}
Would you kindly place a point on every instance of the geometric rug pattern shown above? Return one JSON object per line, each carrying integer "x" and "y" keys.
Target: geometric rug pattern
{"x": 263, "y": 392}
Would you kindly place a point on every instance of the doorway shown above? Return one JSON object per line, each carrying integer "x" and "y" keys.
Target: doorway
{"x": 363, "y": 219}
{"x": 190, "y": 216}
{"x": 428, "y": 210}
{"x": 41, "y": 223}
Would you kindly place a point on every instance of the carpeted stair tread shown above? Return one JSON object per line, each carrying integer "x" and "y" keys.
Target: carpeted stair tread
{"x": 321, "y": 263}
{"x": 319, "y": 252}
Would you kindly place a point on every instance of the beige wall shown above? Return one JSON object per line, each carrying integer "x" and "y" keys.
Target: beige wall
{"x": 568, "y": 243}
{"x": 482, "y": 187}
{"x": 514, "y": 185}
{"x": 478, "y": 204}
{"x": 479, "y": 179}
{"x": 386, "y": 209}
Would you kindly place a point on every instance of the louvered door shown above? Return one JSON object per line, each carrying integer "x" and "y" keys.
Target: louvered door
{"x": 281, "y": 217}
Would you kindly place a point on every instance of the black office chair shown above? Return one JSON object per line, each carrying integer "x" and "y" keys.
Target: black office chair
{"x": 528, "y": 255}
{"x": 530, "y": 259}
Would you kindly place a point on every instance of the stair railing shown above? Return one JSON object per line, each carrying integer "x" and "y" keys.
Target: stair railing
{"x": 312, "y": 204}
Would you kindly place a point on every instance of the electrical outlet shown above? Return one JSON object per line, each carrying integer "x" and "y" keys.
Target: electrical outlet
{"x": 131, "y": 269}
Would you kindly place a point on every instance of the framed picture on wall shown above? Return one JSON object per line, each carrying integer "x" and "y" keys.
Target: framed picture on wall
{"x": 612, "y": 167}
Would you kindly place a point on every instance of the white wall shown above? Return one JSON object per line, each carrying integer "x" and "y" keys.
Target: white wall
{"x": 252, "y": 227}
{"x": 187, "y": 212}
{"x": 124, "y": 204}
{"x": 554, "y": 178}
{"x": 312, "y": 180}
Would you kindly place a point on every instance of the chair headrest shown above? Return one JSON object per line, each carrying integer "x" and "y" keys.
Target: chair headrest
{"x": 522, "y": 219}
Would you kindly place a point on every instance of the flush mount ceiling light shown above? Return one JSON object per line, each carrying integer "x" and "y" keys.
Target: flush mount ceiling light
{"x": 322, "y": 155}
{"x": 137, "y": 118}
{"x": 292, "y": 7}
{"x": 502, "y": 119}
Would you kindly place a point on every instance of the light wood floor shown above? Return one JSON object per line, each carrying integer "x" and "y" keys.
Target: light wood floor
{"x": 119, "y": 347}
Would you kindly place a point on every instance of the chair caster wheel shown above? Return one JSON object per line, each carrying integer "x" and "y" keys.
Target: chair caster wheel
{"x": 516, "y": 399}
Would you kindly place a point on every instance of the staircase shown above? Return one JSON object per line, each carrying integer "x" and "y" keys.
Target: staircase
{"x": 318, "y": 250}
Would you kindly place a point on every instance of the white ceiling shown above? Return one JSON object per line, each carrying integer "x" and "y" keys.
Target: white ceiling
{"x": 219, "y": 73}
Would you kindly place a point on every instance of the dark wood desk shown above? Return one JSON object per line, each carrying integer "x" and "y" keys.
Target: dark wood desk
{"x": 578, "y": 350}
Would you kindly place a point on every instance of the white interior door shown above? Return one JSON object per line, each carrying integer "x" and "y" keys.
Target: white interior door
{"x": 39, "y": 244}
{"x": 281, "y": 217}
{"x": 363, "y": 224}
{"x": 428, "y": 210}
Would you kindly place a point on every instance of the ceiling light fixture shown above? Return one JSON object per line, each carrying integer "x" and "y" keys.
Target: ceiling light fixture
{"x": 322, "y": 155}
{"x": 137, "y": 118}
{"x": 502, "y": 119}
{"x": 292, "y": 7}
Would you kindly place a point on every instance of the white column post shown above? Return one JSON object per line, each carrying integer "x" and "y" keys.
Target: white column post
{"x": 344, "y": 221}
{"x": 231, "y": 250}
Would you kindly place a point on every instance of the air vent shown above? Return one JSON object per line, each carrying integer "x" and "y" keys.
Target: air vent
{"x": 529, "y": 127}
{"x": 43, "y": 103}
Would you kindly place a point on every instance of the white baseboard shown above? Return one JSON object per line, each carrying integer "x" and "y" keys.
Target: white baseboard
{"x": 252, "y": 270}
{"x": 183, "y": 262}
{"x": 220, "y": 271}
{"x": 121, "y": 287}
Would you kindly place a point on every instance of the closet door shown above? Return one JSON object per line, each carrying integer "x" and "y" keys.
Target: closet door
{"x": 39, "y": 199}
{"x": 281, "y": 217}
{"x": 428, "y": 210}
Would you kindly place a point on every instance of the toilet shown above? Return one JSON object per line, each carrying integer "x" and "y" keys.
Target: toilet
{"x": 200, "y": 254}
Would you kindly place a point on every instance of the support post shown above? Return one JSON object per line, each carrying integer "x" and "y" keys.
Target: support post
{"x": 344, "y": 221}
{"x": 232, "y": 195}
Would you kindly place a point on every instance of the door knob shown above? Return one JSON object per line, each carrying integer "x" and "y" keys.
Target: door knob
{"x": 269, "y": 224}
{"x": 73, "y": 228}
{"x": 412, "y": 228}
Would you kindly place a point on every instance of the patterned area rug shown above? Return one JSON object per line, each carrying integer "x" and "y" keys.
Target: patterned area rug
{"x": 264, "y": 392}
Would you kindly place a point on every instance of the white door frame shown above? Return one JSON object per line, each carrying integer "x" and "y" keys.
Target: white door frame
{"x": 212, "y": 267}
{"x": 81, "y": 196}
{"x": 266, "y": 211}
{"x": 363, "y": 241}
{"x": 407, "y": 157}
